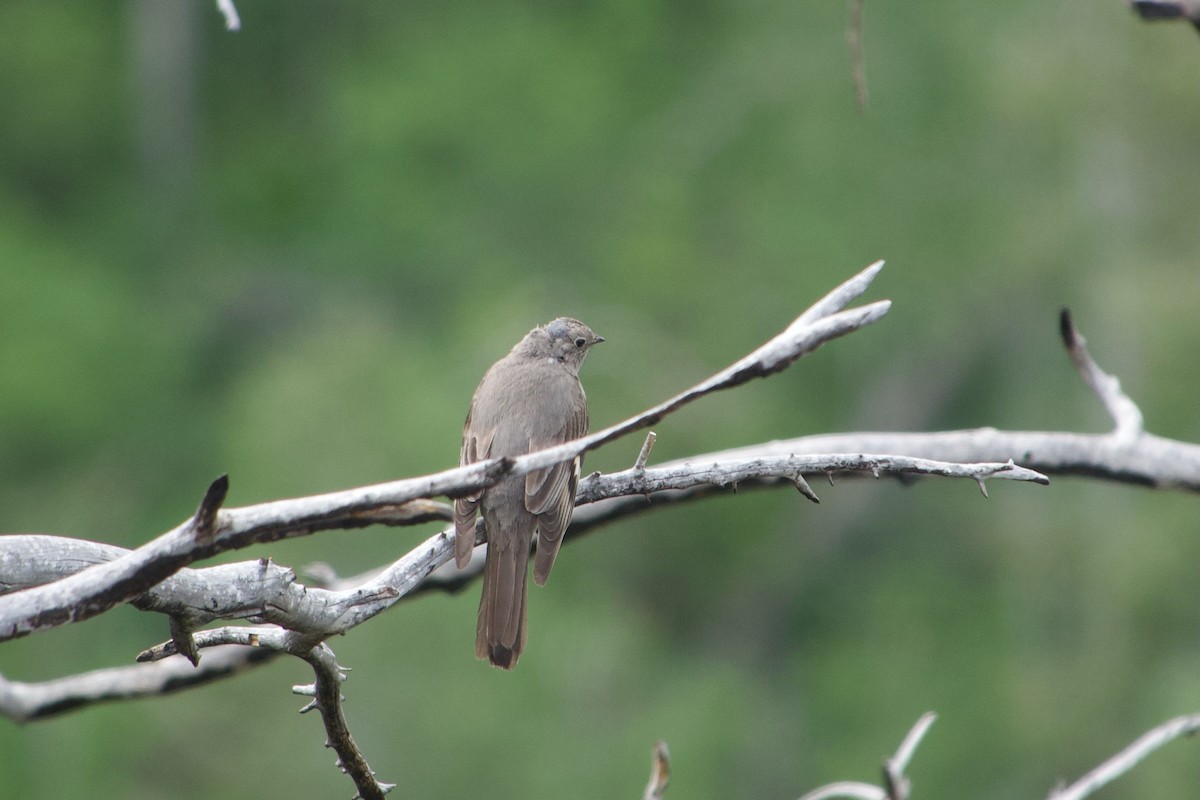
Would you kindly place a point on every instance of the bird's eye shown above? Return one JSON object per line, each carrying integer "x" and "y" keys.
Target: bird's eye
{"x": 580, "y": 342}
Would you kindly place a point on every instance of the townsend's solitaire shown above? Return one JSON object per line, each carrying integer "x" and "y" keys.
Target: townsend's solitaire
{"x": 529, "y": 400}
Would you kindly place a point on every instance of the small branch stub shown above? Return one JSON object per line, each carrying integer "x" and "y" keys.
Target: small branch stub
{"x": 647, "y": 446}
{"x": 660, "y": 773}
{"x": 181, "y": 637}
{"x": 204, "y": 521}
{"x": 803, "y": 487}
{"x": 228, "y": 10}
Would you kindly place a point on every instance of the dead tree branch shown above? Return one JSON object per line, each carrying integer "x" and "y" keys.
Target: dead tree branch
{"x": 47, "y": 581}
{"x": 660, "y": 773}
{"x": 210, "y": 531}
{"x": 1128, "y": 758}
{"x": 896, "y": 785}
{"x": 327, "y": 699}
{"x": 246, "y": 590}
{"x": 1126, "y": 454}
{"x": 262, "y": 592}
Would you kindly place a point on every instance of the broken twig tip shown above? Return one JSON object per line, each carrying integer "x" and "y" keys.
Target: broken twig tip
{"x": 1066, "y": 329}
{"x": 204, "y": 520}
{"x": 805, "y": 489}
{"x": 647, "y": 446}
{"x": 982, "y": 486}
{"x": 660, "y": 773}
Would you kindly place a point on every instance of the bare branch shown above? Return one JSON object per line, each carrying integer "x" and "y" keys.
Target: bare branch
{"x": 1126, "y": 455}
{"x": 228, "y": 10}
{"x": 96, "y": 589}
{"x": 101, "y": 587}
{"x": 644, "y": 455}
{"x": 325, "y": 691}
{"x": 327, "y": 699}
{"x": 1124, "y": 412}
{"x": 26, "y": 702}
{"x": 268, "y": 637}
{"x": 660, "y": 773}
{"x": 680, "y": 475}
{"x": 1147, "y": 461}
{"x": 821, "y": 323}
{"x": 851, "y": 789}
{"x": 263, "y": 592}
{"x": 896, "y": 785}
{"x": 1128, "y": 758}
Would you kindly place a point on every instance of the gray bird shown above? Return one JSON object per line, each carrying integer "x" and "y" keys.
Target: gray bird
{"x": 529, "y": 400}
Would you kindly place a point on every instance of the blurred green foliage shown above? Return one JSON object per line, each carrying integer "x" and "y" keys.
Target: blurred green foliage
{"x": 289, "y": 253}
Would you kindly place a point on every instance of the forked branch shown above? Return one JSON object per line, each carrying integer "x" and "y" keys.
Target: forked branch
{"x": 209, "y": 532}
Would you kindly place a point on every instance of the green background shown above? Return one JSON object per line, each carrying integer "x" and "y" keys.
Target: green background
{"x": 289, "y": 253}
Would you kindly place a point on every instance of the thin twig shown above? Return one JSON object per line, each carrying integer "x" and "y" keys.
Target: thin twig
{"x": 896, "y": 785}
{"x": 908, "y": 747}
{"x": 327, "y": 699}
{"x": 27, "y": 702}
{"x": 1129, "y": 757}
{"x": 660, "y": 773}
{"x": 647, "y": 446}
{"x": 228, "y": 10}
{"x": 1124, "y": 412}
{"x": 850, "y": 789}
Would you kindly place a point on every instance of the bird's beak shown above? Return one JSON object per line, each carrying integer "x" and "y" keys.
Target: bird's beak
{"x": 599, "y": 339}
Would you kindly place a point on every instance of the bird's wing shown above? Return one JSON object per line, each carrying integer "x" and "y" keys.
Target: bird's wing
{"x": 475, "y": 447}
{"x": 550, "y": 494}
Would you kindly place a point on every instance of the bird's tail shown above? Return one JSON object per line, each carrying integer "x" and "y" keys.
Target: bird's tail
{"x": 500, "y": 631}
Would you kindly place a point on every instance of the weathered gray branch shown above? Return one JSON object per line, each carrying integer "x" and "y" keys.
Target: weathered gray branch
{"x": 248, "y": 589}
{"x": 1149, "y": 460}
{"x": 263, "y": 592}
{"x": 327, "y": 699}
{"x": 210, "y": 531}
{"x": 47, "y": 581}
{"x": 99, "y": 588}
{"x": 896, "y": 785}
{"x": 1128, "y": 758}
{"x": 26, "y": 702}
{"x": 1127, "y": 454}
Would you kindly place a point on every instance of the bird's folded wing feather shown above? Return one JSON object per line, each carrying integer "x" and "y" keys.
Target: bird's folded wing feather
{"x": 474, "y": 448}
{"x": 550, "y": 495}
